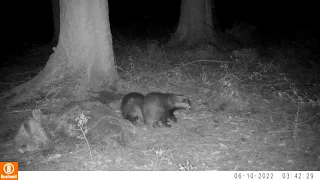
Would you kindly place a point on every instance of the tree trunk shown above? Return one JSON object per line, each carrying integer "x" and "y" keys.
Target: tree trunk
{"x": 195, "y": 23}
{"x": 83, "y": 58}
{"x": 56, "y": 17}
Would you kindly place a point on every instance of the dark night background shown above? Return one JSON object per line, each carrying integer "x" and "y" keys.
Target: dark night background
{"x": 31, "y": 21}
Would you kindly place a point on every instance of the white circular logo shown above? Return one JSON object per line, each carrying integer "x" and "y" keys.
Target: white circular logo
{"x": 8, "y": 168}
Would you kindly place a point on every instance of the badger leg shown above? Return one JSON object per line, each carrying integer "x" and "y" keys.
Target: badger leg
{"x": 164, "y": 119}
{"x": 171, "y": 116}
{"x": 132, "y": 119}
{"x": 135, "y": 119}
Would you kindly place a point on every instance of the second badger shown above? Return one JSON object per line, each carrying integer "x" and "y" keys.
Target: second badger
{"x": 131, "y": 107}
{"x": 157, "y": 108}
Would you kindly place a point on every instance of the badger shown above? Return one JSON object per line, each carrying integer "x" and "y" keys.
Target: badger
{"x": 158, "y": 108}
{"x": 131, "y": 107}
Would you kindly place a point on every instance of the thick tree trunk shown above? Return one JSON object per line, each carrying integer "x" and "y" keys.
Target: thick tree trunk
{"x": 195, "y": 23}
{"x": 83, "y": 58}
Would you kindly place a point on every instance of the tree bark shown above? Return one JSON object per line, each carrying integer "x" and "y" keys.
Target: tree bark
{"x": 195, "y": 23}
{"x": 83, "y": 58}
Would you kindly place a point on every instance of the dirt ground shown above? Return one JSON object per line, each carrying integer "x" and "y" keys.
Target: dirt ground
{"x": 259, "y": 138}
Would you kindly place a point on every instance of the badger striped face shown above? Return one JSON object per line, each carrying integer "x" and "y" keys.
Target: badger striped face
{"x": 182, "y": 102}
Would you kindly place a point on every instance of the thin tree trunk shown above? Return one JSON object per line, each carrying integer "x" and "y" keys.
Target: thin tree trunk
{"x": 56, "y": 17}
{"x": 195, "y": 23}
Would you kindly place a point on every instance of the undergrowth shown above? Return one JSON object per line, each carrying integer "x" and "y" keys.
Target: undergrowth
{"x": 244, "y": 72}
{"x": 243, "y": 76}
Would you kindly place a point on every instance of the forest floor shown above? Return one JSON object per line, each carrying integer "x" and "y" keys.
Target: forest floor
{"x": 270, "y": 129}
